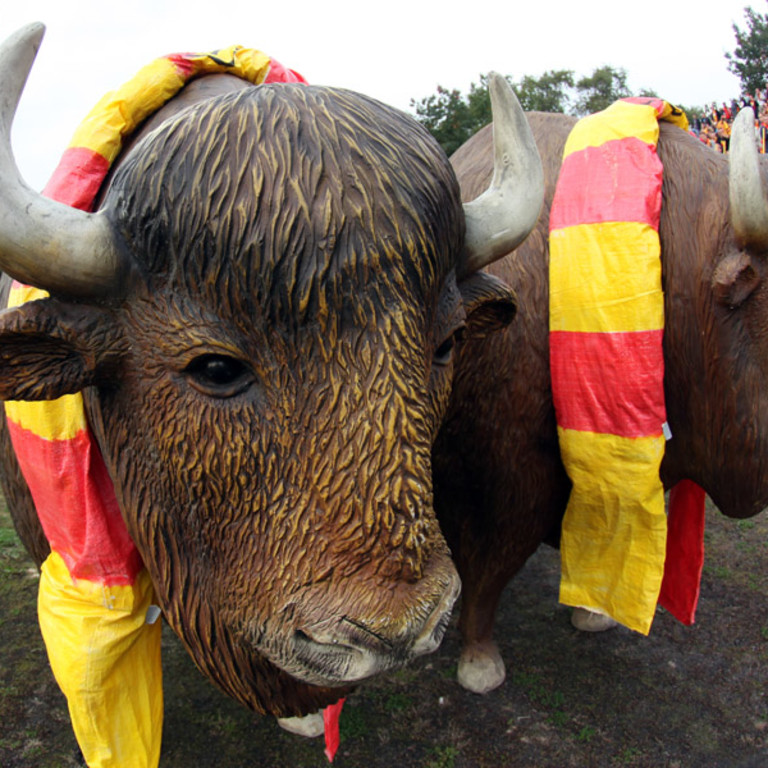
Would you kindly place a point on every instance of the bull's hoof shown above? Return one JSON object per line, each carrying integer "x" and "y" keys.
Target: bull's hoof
{"x": 309, "y": 725}
{"x": 590, "y": 621}
{"x": 481, "y": 669}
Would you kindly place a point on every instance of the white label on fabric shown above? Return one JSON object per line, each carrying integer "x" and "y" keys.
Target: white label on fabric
{"x": 153, "y": 613}
{"x": 667, "y": 432}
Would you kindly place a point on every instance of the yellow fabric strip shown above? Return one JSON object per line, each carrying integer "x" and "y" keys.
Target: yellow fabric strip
{"x": 20, "y": 294}
{"x": 611, "y": 563}
{"x": 106, "y": 659}
{"x": 674, "y": 115}
{"x": 119, "y": 112}
{"x": 612, "y": 285}
{"x": 62, "y": 422}
{"x": 247, "y": 63}
{"x": 619, "y": 121}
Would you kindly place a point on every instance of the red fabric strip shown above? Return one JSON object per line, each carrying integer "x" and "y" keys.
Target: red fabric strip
{"x": 76, "y": 504}
{"x": 623, "y": 178}
{"x": 281, "y": 74}
{"x": 685, "y": 551}
{"x": 651, "y": 101}
{"x": 184, "y": 66}
{"x": 610, "y": 383}
{"x": 77, "y": 178}
{"x": 331, "y": 715}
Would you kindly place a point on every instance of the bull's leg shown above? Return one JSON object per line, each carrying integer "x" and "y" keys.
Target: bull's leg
{"x": 590, "y": 621}
{"x": 481, "y": 668}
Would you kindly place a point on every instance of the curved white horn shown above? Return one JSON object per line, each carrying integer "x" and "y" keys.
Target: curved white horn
{"x": 504, "y": 215}
{"x": 44, "y": 243}
{"x": 749, "y": 210}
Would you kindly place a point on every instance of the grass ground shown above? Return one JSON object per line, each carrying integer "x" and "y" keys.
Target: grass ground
{"x": 684, "y": 697}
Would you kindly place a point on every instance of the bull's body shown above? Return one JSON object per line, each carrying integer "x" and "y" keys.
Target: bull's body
{"x": 505, "y": 492}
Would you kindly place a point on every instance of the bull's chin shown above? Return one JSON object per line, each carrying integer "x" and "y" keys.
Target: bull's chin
{"x": 341, "y": 651}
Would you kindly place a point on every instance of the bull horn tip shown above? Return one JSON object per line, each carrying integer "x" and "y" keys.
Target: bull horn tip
{"x": 749, "y": 209}
{"x": 44, "y": 243}
{"x": 503, "y": 216}
{"x": 31, "y": 33}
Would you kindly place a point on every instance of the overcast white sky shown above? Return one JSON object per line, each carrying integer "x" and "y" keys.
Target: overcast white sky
{"x": 394, "y": 50}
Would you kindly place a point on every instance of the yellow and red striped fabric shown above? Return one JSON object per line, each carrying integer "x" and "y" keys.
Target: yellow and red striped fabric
{"x": 606, "y": 328}
{"x": 95, "y": 597}
{"x": 99, "y": 139}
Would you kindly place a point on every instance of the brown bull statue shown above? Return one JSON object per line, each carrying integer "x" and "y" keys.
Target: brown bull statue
{"x": 262, "y": 315}
{"x": 506, "y": 490}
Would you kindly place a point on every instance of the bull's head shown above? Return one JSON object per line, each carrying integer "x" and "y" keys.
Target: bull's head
{"x": 263, "y": 313}
{"x": 714, "y": 231}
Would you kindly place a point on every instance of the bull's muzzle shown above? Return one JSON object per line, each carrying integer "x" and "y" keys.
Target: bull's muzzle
{"x": 343, "y": 649}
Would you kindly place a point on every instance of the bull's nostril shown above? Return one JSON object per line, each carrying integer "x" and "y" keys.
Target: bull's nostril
{"x": 367, "y": 632}
{"x": 319, "y": 637}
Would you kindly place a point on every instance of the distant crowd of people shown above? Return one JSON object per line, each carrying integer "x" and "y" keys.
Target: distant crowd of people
{"x": 714, "y": 127}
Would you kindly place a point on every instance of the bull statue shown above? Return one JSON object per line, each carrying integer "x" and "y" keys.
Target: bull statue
{"x": 262, "y": 315}
{"x": 506, "y": 491}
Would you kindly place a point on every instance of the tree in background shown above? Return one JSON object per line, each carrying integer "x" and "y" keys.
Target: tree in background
{"x": 749, "y": 60}
{"x": 598, "y": 91}
{"x": 452, "y": 117}
{"x": 548, "y": 93}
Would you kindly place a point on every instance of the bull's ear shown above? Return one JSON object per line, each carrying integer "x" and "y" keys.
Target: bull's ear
{"x": 734, "y": 279}
{"x": 489, "y": 302}
{"x": 50, "y": 348}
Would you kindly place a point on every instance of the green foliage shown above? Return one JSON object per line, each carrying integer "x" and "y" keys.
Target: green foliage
{"x": 547, "y": 93}
{"x": 452, "y": 117}
{"x": 749, "y": 60}
{"x": 598, "y": 91}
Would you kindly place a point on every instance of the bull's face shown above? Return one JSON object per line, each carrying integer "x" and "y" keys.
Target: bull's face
{"x": 292, "y": 375}
{"x": 268, "y": 373}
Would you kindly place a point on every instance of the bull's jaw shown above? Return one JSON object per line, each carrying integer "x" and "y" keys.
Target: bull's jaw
{"x": 341, "y": 650}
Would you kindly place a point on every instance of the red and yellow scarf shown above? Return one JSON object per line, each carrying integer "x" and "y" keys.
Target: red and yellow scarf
{"x": 606, "y": 357}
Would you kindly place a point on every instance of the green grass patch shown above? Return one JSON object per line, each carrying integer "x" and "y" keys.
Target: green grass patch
{"x": 442, "y": 757}
{"x": 398, "y": 702}
{"x": 352, "y": 724}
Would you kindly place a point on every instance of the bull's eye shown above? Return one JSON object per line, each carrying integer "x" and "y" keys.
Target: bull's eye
{"x": 219, "y": 375}
{"x": 444, "y": 353}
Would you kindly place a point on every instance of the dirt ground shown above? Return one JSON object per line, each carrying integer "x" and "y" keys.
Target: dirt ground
{"x": 681, "y": 698}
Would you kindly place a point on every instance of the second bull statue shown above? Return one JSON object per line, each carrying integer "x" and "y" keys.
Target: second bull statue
{"x": 506, "y": 490}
